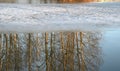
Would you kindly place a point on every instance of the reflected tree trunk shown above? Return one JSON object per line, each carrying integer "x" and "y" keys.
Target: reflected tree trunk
{"x": 51, "y": 53}
{"x": 79, "y": 66}
{"x": 17, "y": 52}
{"x": 46, "y": 51}
{"x": 29, "y": 51}
{"x": 82, "y": 52}
{"x": 7, "y": 51}
{"x": 54, "y": 54}
{"x": 72, "y": 52}
{"x": 37, "y": 51}
{"x": 11, "y": 51}
{"x": 62, "y": 49}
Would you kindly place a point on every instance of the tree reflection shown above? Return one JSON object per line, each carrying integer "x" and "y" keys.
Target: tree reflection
{"x": 60, "y": 51}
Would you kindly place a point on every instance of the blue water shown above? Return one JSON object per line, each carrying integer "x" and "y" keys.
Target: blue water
{"x": 110, "y": 44}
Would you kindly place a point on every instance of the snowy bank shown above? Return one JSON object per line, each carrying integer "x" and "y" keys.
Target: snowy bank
{"x": 59, "y": 17}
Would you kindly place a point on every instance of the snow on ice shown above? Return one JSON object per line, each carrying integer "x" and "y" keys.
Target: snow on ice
{"x": 59, "y": 17}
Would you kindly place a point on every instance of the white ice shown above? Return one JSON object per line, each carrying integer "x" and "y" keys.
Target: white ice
{"x": 59, "y": 17}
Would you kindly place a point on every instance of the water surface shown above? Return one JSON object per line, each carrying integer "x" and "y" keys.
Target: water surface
{"x": 56, "y": 51}
{"x": 60, "y": 51}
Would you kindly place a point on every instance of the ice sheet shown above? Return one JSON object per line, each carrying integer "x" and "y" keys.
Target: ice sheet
{"x": 59, "y": 17}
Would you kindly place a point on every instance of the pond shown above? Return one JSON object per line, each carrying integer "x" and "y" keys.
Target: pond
{"x": 78, "y": 50}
